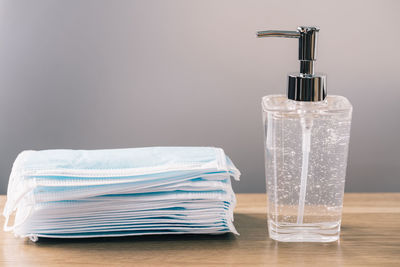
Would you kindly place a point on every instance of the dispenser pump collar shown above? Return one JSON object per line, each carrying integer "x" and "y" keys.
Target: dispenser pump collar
{"x": 305, "y": 85}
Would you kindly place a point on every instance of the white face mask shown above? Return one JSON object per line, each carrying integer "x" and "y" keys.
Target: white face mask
{"x": 121, "y": 192}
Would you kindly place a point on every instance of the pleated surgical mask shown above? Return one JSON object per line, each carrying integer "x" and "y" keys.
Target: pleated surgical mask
{"x": 69, "y": 193}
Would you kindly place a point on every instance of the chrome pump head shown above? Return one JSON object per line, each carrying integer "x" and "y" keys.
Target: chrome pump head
{"x": 303, "y": 86}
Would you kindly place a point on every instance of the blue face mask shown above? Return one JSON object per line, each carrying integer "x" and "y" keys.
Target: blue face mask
{"x": 124, "y": 161}
{"x": 183, "y": 179}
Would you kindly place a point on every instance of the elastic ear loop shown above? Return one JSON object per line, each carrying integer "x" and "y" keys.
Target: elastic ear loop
{"x": 31, "y": 186}
{"x": 7, "y": 212}
{"x": 233, "y": 171}
{"x": 7, "y": 228}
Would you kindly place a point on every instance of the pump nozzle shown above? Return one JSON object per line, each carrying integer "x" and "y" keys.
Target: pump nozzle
{"x": 303, "y": 86}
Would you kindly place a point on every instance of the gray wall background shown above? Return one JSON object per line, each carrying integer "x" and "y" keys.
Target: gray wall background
{"x": 109, "y": 74}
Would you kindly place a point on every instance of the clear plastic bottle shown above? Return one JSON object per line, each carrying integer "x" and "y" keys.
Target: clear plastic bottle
{"x": 305, "y": 142}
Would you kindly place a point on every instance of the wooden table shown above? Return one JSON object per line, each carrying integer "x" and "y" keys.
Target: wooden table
{"x": 370, "y": 237}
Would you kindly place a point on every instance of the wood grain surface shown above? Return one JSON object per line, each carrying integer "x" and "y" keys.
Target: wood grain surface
{"x": 370, "y": 237}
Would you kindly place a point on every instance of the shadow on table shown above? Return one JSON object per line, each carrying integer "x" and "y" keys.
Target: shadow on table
{"x": 133, "y": 239}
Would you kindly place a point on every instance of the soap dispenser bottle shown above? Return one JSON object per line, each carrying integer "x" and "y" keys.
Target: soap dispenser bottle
{"x": 306, "y": 144}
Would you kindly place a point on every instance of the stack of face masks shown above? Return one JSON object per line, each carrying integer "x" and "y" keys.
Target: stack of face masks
{"x": 119, "y": 192}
